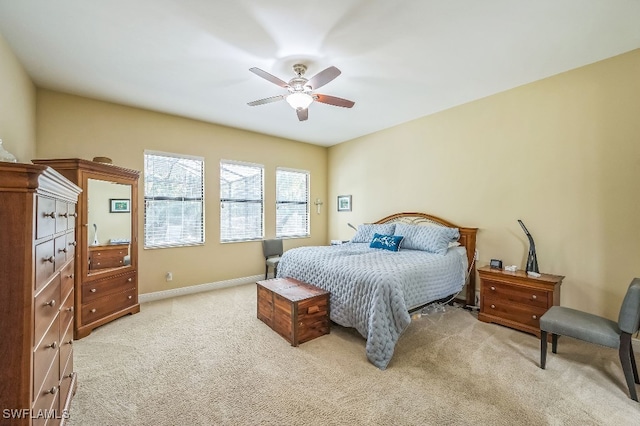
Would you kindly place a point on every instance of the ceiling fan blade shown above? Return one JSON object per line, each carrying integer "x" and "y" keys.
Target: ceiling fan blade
{"x": 332, "y": 100}
{"x": 269, "y": 77}
{"x": 303, "y": 114}
{"x": 266, "y": 100}
{"x": 323, "y": 77}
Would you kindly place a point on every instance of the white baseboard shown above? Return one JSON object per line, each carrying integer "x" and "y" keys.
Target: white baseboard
{"x": 182, "y": 291}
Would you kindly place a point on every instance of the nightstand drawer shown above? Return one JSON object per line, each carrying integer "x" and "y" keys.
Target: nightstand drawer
{"x": 523, "y": 314}
{"x": 515, "y": 294}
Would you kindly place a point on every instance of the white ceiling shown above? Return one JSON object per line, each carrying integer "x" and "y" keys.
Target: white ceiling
{"x": 400, "y": 60}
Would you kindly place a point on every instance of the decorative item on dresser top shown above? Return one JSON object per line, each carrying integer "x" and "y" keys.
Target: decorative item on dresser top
{"x": 6, "y": 155}
{"x": 515, "y": 299}
{"x": 106, "y": 280}
{"x": 37, "y": 246}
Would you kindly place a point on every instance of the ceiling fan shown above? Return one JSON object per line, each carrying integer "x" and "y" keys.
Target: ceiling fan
{"x": 300, "y": 89}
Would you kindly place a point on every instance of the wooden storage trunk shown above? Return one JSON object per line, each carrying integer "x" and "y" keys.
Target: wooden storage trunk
{"x": 297, "y": 311}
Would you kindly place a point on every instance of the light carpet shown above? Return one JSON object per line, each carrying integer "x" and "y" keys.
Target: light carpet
{"x": 205, "y": 359}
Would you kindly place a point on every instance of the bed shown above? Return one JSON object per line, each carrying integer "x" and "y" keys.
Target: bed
{"x": 374, "y": 289}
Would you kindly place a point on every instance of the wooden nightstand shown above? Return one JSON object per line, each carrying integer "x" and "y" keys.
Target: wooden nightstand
{"x": 516, "y": 300}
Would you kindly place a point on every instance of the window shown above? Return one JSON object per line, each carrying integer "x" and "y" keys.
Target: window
{"x": 292, "y": 203}
{"x": 173, "y": 200}
{"x": 241, "y": 201}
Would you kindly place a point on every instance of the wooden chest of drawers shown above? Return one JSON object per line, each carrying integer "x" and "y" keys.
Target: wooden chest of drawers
{"x": 516, "y": 300}
{"x": 297, "y": 311}
{"x": 37, "y": 250}
{"x": 106, "y": 275}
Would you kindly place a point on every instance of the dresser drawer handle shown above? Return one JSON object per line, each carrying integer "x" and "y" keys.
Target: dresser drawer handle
{"x": 52, "y": 215}
{"x": 48, "y": 259}
{"x": 52, "y": 346}
{"x": 313, "y": 309}
{"x": 93, "y": 290}
{"x": 62, "y": 250}
{"x": 93, "y": 311}
{"x": 51, "y": 303}
{"x": 70, "y": 276}
{"x": 493, "y": 288}
{"x": 130, "y": 297}
{"x": 493, "y": 306}
{"x": 74, "y": 214}
{"x": 73, "y": 243}
{"x": 63, "y": 214}
{"x": 534, "y": 316}
{"x": 70, "y": 309}
{"x": 534, "y": 297}
{"x": 52, "y": 391}
{"x": 70, "y": 342}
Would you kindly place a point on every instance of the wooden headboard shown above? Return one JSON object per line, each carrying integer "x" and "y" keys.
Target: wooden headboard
{"x": 467, "y": 240}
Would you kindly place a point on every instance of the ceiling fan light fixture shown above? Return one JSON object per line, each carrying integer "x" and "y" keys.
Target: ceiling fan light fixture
{"x": 301, "y": 91}
{"x": 299, "y": 100}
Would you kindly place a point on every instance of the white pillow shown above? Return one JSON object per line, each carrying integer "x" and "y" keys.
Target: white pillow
{"x": 365, "y": 232}
{"x": 434, "y": 239}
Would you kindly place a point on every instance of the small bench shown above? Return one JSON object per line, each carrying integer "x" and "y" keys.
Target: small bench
{"x": 297, "y": 311}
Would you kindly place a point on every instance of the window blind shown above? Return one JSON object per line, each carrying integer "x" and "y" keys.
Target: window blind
{"x": 173, "y": 200}
{"x": 241, "y": 201}
{"x": 292, "y": 203}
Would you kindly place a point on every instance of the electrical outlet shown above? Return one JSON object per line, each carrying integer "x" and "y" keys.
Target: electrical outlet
{"x": 169, "y": 276}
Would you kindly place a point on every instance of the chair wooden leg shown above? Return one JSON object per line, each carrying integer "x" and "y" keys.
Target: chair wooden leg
{"x": 633, "y": 363}
{"x": 625, "y": 360}
{"x": 266, "y": 272}
{"x": 543, "y": 349}
{"x": 554, "y": 343}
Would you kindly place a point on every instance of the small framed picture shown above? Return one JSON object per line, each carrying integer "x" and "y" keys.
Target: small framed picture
{"x": 344, "y": 203}
{"x": 119, "y": 205}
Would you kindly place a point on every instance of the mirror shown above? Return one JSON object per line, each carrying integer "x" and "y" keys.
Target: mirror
{"x": 108, "y": 225}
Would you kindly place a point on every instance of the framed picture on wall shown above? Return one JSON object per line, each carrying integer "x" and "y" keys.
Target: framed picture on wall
{"x": 344, "y": 203}
{"x": 119, "y": 205}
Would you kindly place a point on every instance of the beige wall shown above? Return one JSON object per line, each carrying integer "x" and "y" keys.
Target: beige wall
{"x": 71, "y": 126}
{"x": 17, "y": 106}
{"x": 562, "y": 154}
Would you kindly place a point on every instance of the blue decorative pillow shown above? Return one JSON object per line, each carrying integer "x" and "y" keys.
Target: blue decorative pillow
{"x": 386, "y": 242}
{"x": 434, "y": 239}
{"x": 365, "y": 232}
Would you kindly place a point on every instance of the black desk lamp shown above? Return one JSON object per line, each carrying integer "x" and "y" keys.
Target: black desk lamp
{"x": 532, "y": 260}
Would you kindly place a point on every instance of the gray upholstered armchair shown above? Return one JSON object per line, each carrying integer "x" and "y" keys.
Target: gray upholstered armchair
{"x": 272, "y": 250}
{"x": 563, "y": 321}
